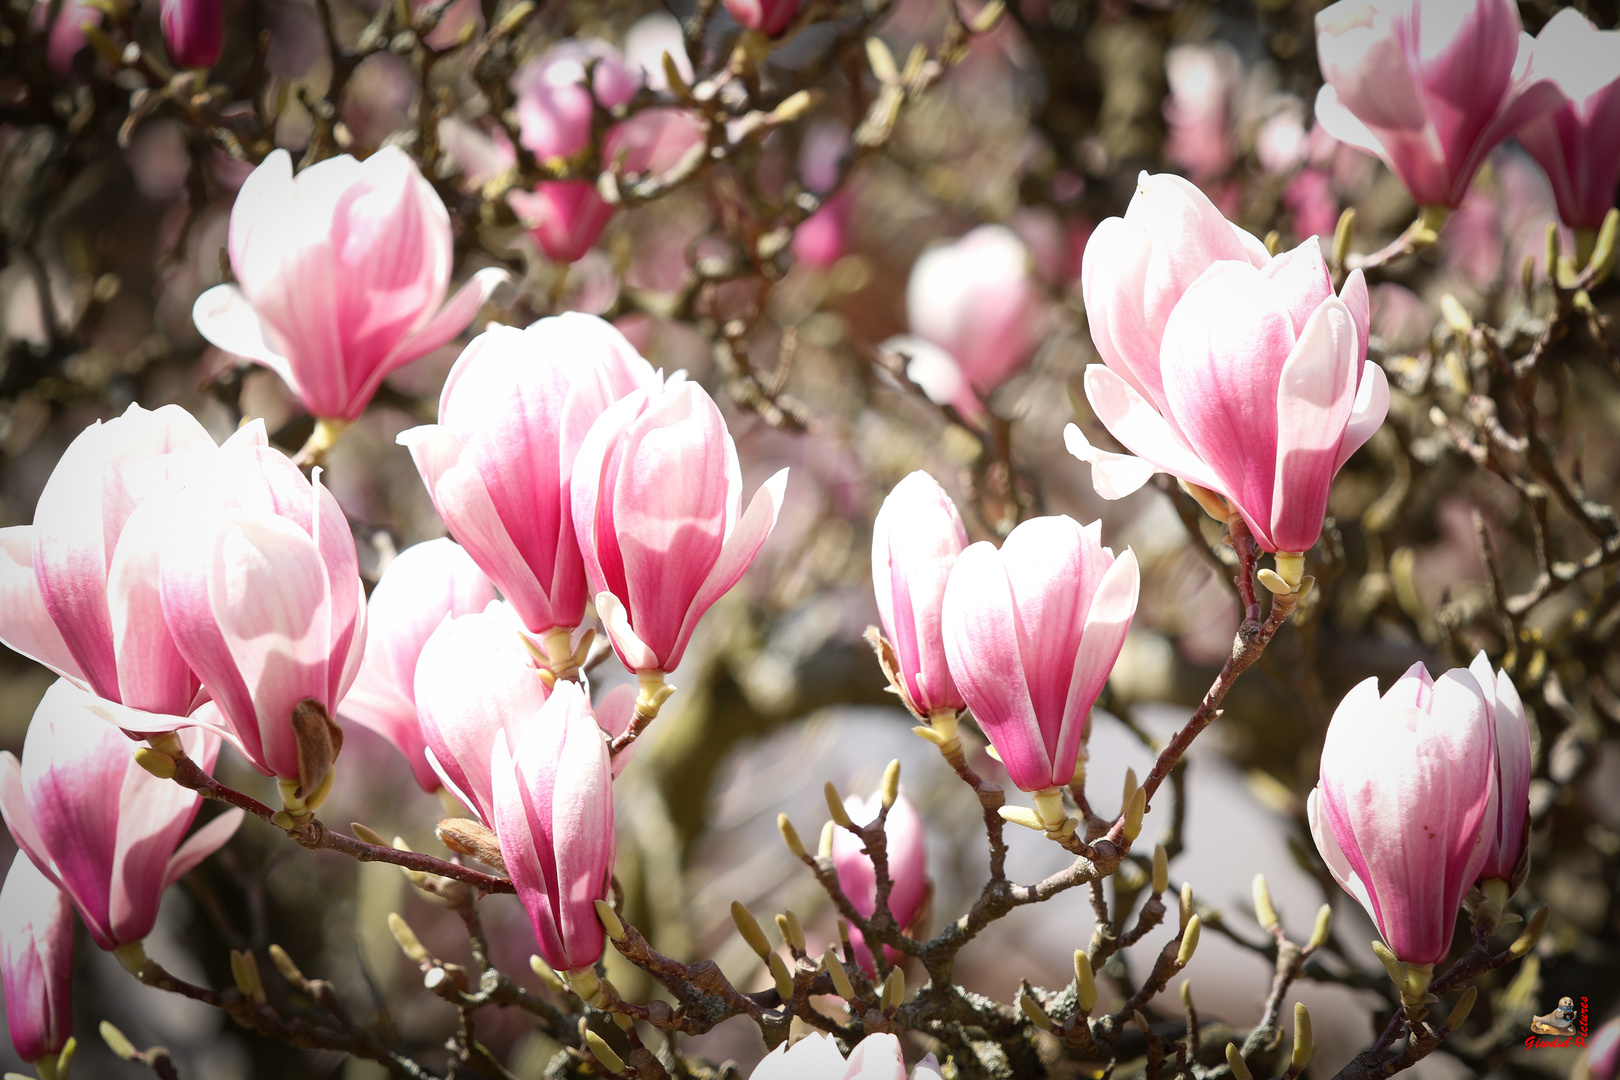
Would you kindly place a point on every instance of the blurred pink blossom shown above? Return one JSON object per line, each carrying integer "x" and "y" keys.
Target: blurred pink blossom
{"x": 973, "y": 297}
{"x": 36, "y": 961}
{"x": 1578, "y": 144}
{"x": 906, "y": 842}
{"x": 193, "y": 31}
{"x": 1202, "y": 81}
{"x": 767, "y": 16}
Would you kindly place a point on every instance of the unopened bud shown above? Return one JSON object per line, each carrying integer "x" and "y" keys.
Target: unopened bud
{"x": 1392, "y": 965}
{"x": 1085, "y": 982}
{"x": 840, "y": 977}
{"x": 790, "y": 836}
{"x": 783, "y": 977}
{"x": 1189, "y": 941}
{"x": 1186, "y": 994}
{"x": 1129, "y": 793}
{"x": 673, "y": 77}
{"x": 1036, "y": 1014}
{"x": 118, "y": 1042}
{"x": 1235, "y": 1062}
{"x": 285, "y": 965}
{"x": 1531, "y": 934}
{"x": 1342, "y": 235}
{"x": 1553, "y": 251}
{"x": 1323, "y": 928}
{"x": 835, "y": 807}
{"x": 882, "y": 60}
{"x": 547, "y": 974}
{"x": 1456, "y": 316}
{"x": 1186, "y": 903}
{"x": 472, "y": 838}
{"x": 985, "y": 21}
{"x": 610, "y": 920}
{"x": 1302, "y": 1037}
{"x": 1161, "y": 870}
{"x": 795, "y": 105}
{"x": 64, "y": 1060}
{"x": 368, "y": 834}
{"x": 156, "y": 762}
{"x": 603, "y": 1053}
{"x": 1133, "y": 815}
{"x": 894, "y": 990}
{"x": 1264, "y": 913}
{"x": 824, "y": 845}
{"x": 749, "y": 928}
{"x": 890, "y": 790}
{"x": 406, "y": 938}
{"x": 791, "y": 929}
{"x": 319, "y": 741}
{"x": 245, "y": 973}
{"x": 1460, "y": 1011}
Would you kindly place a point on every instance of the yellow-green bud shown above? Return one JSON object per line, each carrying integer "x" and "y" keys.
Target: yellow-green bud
{"x": 790, "y": 835}
{"x": 750, "y": 930}
{"x": 1265, "y": 914}
{"x": 1531, "y": 933}
{"x": 835, "y": 806}
{"x": 603, "y": 1053}
{"x": 890, "y": 790}
{"x": 1161, "y": 870}
{"x": 1235, "y": 1062}
{"x": 1302, "y": 1036}
{"x": 840, "y": 977}
{"x": 1189, "y": 941}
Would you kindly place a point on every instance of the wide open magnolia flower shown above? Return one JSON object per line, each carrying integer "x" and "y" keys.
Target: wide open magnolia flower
{"x": 1264, "y": 391}
{"x": 36, "y": 961}
{"x": 1031, "y": 632}
{"x": 907, "y": 846}
{"x": 1430, "y": 86}
{"x": 656, "y": 494}
{"x": 425, "y": 585}
{"x": 1578, "y": 144}
{"x": 916, "y": 539}
{"x": 341, "y": 272}
{"x": 553, "y": 814}
{"x": 102, "y": 828}
{"x": 261, "y": 589}
{"x": 1405, "y": 811}
{"x": 512, "y": 416}
{"x": 816, "y": 1057}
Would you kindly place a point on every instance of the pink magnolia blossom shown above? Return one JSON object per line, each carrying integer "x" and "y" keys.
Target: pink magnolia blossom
{"x": 656, "y": 497}
{"x": 565, "y": 217}
{"x": 193, "y": 31}
{"x": 36, "y": 961}
{"x": 1430, "y": 86}
{"x": 819, "y": 239}
{"x": 100, "y": 827}
{"x": 1198, "y": 111}
{"x": 1259, "y": 389}
{"x": 78, "y": 589}
{"x": 974, "y": 298}
{"x": 816, "y": 1057}
{"x": 261, "y": 589}
{"x": 1507, "y": 843}
{"x": 916, "y": 539}
{"x": 1405, "y": 809}
{"x": 553, "y": 813}
{"x": 340, "y": 276}
{"x": 513, "y": 414}
{"x": 1578, "y": 144}
{"x": 67, "y": 36}
{"x": 769, "y": 17}
{"x": 557, "y": 95}
{"x": 425, "y": 585}
{"x": 453, "y": 23}
{"x": 1031, "y": 632}
{"x": 907, "y": 847}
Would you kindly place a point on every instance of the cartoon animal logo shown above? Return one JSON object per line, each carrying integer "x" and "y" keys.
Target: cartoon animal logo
{"x": 1561, "y": 1021}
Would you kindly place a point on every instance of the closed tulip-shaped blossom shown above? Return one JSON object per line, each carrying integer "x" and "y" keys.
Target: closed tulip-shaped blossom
{"x": 553, "y": 799}
{"x": 261, "y": 589}
{"x": 78, "y": 588}
{"x": 512, "y": 416}
{"x": 1578, "y": 143}
{"x": 975, "y": 299}
{"x": 1405, "y": 810}
{"x": 425, "y": 585}
{"x": 1031, "y": 632}
{"x": 1430, "y": 86}
{"x": 341, "y": 274}
{"x": 1265, "y": 392}
{"x": 98, "y": 825}
{"x": 656, "y": 498}
{"x": 1506, "y": 859}
{"x": 915, "y": 541}
{"x": 767, "y": 16}
{"x": 907, "y": 848}
{"x": 193, "y": 31}
{"x": 36, "y": 961}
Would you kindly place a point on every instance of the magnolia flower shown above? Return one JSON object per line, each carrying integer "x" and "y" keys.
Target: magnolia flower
{"x": 78, "y": 587}
{"x": 656, "y": 493}
{"x": 1198, "y": 111}
{"x": 193, "y": 31}
{"x": 1578, "y": 144}
{"x": 1243, "y": 375}
{"x": 916, "y": 539}
{"x": 100, "y": 827}
{"x": 1031, "y": 633}
{"x": 558, "y": 92}
{"x": 1507, "y": 847}
{"x": 1430, "y": 86}
{"x": 340, "y": 274}
{"x": 907, "y": 845}
{"x": 260, "y": 587}
{"x": 512, "y": 416}
{"x": 553, "y": 814}
{"x": 1405, "y": 811}
{"x": 816, "y": 1057}
{"x": 769, "y": 17}
{"x": 425, "y": 585}
{"x": 974, "y": 298}
{"x": 565, "y": 217}
{"x": 36, "y": 961}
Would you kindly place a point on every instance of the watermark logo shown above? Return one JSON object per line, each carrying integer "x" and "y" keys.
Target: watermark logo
{"x": 1564, "y": 1026}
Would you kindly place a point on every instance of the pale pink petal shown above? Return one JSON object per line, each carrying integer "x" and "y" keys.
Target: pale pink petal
{"x": 1314, "y": 398}
{"x": 633, "y": 652}
{"x": 25, "y": 625}
{"x": 1367, "y": 414}
{"x": 1113, "y": 476}
{"x": 202, "y": 843}
{"x": 1140, "y": 428}
{"x": 224, "y": 317}
{"x": 1108, "y": 620}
